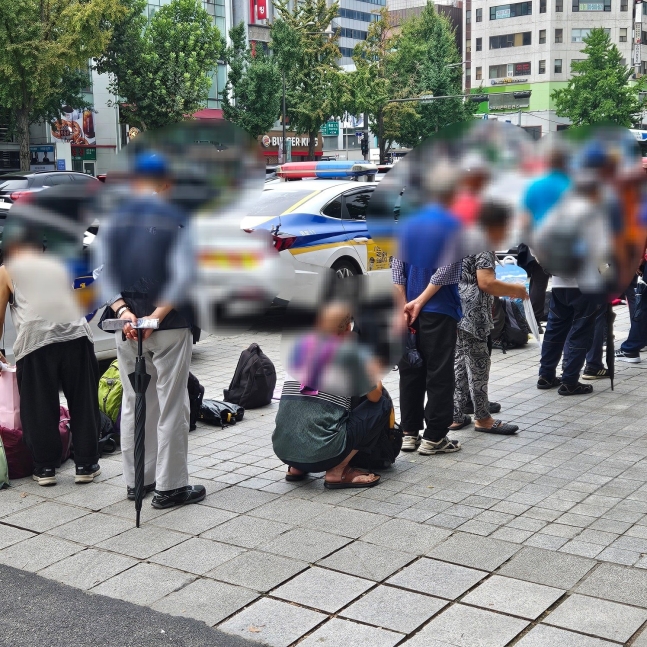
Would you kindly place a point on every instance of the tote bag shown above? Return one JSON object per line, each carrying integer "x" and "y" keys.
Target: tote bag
{"x": 9, "y": 399}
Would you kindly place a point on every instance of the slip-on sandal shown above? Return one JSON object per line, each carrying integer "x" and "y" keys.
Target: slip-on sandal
{"x": 467, "y": 421}
{"x": 347, "y": 477}
{"x": 499, "y": 427}
{"x": 295, "y": 477}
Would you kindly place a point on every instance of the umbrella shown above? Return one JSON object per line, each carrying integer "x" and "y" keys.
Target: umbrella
{"x": 139, "y": 380}
{"x": 611, "y": 358}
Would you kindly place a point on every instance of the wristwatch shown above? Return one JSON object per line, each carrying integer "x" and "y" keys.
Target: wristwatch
{"x": 121, "y": 311}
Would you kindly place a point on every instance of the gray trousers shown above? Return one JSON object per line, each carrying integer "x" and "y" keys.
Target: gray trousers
{"x": 472, "y": 370}
{"x": 168, "y": 357}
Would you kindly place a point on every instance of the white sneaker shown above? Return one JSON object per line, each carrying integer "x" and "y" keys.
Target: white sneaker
{"x": 410, "y": 443}
{"x": 444, "y": 446}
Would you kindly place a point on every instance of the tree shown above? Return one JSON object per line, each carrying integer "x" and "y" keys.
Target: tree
{"x": 162, "y": 70}
{"x": 599, "y": 89}
{"x": 45, "y": 47}
{"x": 252, "y": 98}
{"x": 308, "y": 58}
{"x": 426, "y": 61}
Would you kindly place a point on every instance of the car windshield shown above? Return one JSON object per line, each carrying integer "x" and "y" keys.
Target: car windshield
{"x": 274, "y": 203}
{"x": 13, "y": 183}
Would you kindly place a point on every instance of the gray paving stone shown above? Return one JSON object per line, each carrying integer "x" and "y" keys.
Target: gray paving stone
{"x": 257, "y": 571}
{"x": 412, "y": 537}
{"x": 193, "y": 520}
{"x": 545, "y": 567}
{"x": 350, "y": 634}
{"x": 598, "y": 617}
{"x": 44, "y": 516}
{"x": 144, "y": 584}
{"x": 206, "y": 600}
{"x": 143, "y": 542}
{"x": 617, "y": 583}
{"x": 347, "y": 523}
{"x": 9, "y": 535}
{"x": 248, "y": 532}
{"x": 290, "y": 510}
{"x": 576, "y": 547}
{"x": 545, "y": 636}
{"x": 322, "y": 589}
{"x": 95, "y": 496}
{"x": 394, "y": 609}
{"x": 641, "y": 641}
{"x": 463, "y": 626}
{"x": 88, "y": 568}
{"x": 197, "y": 555}
{"x": 370, "y": 561}
{"x": 514, "y": 597}
{"x": 92, "y": 528}
{"x": 619, "y": 556}
{"x": 478, "y": 552}
{"x": 37, "y": 553}
{"x": 15, "y": 501}
{"x": 304, "y": 544}
{"x": 437, "y": 578}
{"x": 272, "y": 622}
{"x": 239, "y": 499}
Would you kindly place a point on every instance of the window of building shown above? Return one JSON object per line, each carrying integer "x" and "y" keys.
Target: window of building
{"x": 559, "y": 6}
{"x": 558, "y": 66}
{"x": 509, "y": 69}
{"x": 624, "y": 5}
{"x": 575, "y": 60}
{"x": 578, "y": 35}
{"x": 468, "y": 45}
{"x": 602, "y": 5}
{"x": 542, "y": 36}
{"x": 511, "y": 10}
{"x": 623, "y": 35}
{"x": 542, "y": 6}
{"x": 468, "y": 16}
{"x": 511, "y": 40}
{"x": 542, "y": 67}
{"x": 559, "y": 35}
{"x": 479, "y": 44}
{"x": 479, "y": 74}
{"x": 479, "y": 15}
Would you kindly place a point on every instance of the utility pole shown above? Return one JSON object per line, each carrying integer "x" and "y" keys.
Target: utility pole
{"x": 367, "y": 153}
{"x": 637, "y": 37}
{"x": 282, "y": 156}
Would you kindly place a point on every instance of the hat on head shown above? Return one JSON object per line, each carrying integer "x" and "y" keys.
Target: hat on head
{"x": 442, "y": 178}
{"x": 151, "y": 164}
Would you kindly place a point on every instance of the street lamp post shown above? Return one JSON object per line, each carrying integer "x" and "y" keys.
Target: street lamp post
{"x": 283, "y": 159}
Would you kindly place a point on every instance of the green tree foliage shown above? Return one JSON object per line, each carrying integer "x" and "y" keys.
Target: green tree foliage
{"x": 315, "y": 88}
{"x": 162, "y": 70}
{"x": 45, "y": 46}
{"x": 599, "y": 90}
{"x": 252, "y": 98}
{"x": 425, "y": 61}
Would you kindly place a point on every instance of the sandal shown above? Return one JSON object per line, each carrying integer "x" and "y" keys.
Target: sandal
{"x": 575, "y": 389}
{"x": 295, "y": 477}
{"x": 499, "y": 427}
{"x": 461, "y": 425}
{"x": 347, "y": 477}
{"x": 545, "y": 383}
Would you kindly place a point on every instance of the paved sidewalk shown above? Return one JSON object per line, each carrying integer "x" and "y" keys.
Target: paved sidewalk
{"x": 535, "y": 540}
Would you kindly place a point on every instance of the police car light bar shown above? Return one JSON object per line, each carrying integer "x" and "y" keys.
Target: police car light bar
{"x": 329, "y": 170}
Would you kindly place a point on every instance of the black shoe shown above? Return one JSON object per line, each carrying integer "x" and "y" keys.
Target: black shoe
{"x": 181, "y": 496}
{"x": 595, "y": 374}
{"x": 575, "y": 389}
{"x": 494, "y": 407}
{"x": 546, "y": 383}
{"x": 147, "y": 490}
{"x": 86, "y": 473}
{"x": 45, "y": 476}
{"x": 540, "y": 329}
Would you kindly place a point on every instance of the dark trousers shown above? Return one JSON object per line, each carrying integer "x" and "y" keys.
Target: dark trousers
{"x": 362, "y": 433}
{"x": 637, "y": 338}
{"x": 435, "y": 378}
{"x": 72, "y": 365}
{"x": 594, "y": 356}
{"x": 538, "y": 281}
{"x": 570, "y": 328}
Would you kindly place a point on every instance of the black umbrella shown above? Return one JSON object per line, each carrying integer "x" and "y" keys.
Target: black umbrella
{"x": 611, "y": 357}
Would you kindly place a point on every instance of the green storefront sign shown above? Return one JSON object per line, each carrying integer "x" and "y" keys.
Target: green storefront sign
{"x": 330, "y": 129}
{"x": 80, "y": 154}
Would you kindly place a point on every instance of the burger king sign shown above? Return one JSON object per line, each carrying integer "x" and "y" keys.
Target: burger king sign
{"x": 265, "y": 141}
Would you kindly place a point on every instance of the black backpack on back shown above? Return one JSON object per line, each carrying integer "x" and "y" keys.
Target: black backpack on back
{"x": 254, "y": 380}
{"x": 511, "y": 329}
{"x": 196, "y": 393}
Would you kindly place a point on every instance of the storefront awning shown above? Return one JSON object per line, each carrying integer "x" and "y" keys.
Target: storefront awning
{"x": 208, "y": 113}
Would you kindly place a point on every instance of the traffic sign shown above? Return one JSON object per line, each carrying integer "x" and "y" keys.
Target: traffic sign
{"x": 330, "y": 129}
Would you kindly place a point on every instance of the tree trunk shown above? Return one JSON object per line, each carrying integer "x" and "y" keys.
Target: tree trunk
{"x": 22, "y": 132}
{"x": 312, "y": 143}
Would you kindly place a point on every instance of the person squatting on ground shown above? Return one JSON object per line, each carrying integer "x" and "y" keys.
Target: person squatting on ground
{"x": 316, "y": 430}
{"x": 477, "y": 287}
{"x": 50, "y": 354}
{"x": 147, "y": 260}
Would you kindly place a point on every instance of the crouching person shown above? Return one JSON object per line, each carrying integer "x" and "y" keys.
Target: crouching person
{"x": 316, "y": 431}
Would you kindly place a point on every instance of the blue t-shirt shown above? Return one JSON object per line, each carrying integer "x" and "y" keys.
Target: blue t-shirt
{"x": 543, "y": 194}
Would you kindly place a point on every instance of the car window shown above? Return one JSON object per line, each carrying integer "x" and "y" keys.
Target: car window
{"x": 57, "y": 178}
{"x": 333, "y": 208}
{"x": 83, "y": 177}
{"x": 13, "y": 183}
{"x": 357, "y": 204}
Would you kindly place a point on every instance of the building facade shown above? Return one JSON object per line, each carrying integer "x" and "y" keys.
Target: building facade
{"x": 531, "y": 46}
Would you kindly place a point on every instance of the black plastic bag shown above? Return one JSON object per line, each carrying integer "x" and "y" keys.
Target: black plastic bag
{"x": 216, "y": 412}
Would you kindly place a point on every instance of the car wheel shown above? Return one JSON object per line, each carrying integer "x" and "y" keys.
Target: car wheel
{"x": 344, "y": 269}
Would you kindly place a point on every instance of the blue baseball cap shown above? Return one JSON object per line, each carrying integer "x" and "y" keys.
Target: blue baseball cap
{"x": 151, "y": 164}
{"x": 595, "y": 156}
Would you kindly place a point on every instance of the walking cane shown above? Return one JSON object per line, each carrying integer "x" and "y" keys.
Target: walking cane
{"x": 139, "y": 380}
{"x": 611, "y": 360}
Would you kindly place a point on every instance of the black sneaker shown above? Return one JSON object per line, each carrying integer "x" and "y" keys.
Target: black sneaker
{"x": 181, "y": 496}
{"x": 147, "y": 490}
{"x": 595, "y": 374}
{"x": 546, "y": 383}
{"x": 45, "y": 476}
{"x": 623, "y": 356}
{"x": 494, "y": 407}
{"x": 86, "y": 473}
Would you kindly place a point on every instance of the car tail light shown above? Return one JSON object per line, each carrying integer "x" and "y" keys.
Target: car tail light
{"x": 248, "y": 231}
{"x": 283, "y": 241}
{"x": 21, "y": 195}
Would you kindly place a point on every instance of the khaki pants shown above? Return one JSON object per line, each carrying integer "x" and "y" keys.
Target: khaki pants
{"x": 168, "y": 357}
